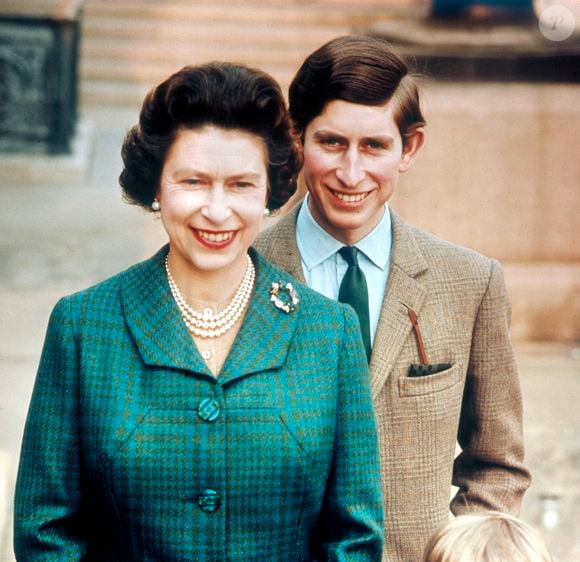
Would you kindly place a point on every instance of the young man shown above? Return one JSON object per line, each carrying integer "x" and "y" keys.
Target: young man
{"x": 442, "y": 366}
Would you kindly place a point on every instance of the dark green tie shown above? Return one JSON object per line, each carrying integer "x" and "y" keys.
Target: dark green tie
{"x": 353, "y": 290}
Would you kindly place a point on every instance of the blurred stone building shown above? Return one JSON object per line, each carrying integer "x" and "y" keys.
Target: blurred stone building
{"x": 500, "y": 173}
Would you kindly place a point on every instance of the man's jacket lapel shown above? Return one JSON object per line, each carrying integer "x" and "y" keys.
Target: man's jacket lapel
{"x": 403, "y": 290}
{"x": 283, "y": 239}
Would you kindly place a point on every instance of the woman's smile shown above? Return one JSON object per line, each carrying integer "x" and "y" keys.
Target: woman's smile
{"x": 213, "y": 192}
{"x": 214, "y": 239}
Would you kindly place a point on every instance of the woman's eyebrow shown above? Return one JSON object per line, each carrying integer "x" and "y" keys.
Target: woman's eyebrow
{"x": 249, "y": 175}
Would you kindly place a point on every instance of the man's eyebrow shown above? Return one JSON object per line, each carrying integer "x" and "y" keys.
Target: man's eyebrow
{"x": 324, "y": 133}
{"x": 383, "y": 137}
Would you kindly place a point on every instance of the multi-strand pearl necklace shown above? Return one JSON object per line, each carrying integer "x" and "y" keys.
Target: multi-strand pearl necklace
{"x": 206, "y": 324}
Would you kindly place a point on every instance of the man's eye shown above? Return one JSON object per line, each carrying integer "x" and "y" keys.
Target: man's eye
{"x": 375, "y": 145}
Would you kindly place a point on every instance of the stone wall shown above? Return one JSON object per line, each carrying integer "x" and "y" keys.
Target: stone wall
{"x": 500, "y": 173}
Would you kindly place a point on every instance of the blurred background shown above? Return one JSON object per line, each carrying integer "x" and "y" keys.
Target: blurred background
{"x": 500, "y": 173}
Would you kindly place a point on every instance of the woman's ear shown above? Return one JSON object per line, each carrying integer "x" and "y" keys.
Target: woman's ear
{"x": 412, "y": 147}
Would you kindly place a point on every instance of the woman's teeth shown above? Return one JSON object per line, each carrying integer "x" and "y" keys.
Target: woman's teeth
{"x": 215, "y": 236}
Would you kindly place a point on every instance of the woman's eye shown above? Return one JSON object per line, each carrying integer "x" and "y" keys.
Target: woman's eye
{"x": 192, "y": 181}
{"x": 243, "y": 184}
{"x": 330, "y": 141}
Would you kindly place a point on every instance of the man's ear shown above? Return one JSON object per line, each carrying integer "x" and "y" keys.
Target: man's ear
{"x": 411, "y": 149}
{"x": 298, "y": 142}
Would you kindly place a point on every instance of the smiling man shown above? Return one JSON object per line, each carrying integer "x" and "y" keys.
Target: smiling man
{"x": 433, "y": 315}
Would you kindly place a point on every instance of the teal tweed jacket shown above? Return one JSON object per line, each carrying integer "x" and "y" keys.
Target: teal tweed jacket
{"x": 134, "y": 451}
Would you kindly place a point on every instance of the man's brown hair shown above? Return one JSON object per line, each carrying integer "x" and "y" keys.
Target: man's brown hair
{"x": 357, "y": 69}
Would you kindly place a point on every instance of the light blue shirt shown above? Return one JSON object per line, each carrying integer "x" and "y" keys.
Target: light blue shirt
{"x": 324, "y": 268}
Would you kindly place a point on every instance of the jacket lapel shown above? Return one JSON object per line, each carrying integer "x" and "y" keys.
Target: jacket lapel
{"x": 163, "y": 340}
{"x": 264, "y": 338}
{"x": 403, "y": 290}
{"x": 282, "y": 237}
{"x": 407, "y": 263}
{"x": 154, "y": 320}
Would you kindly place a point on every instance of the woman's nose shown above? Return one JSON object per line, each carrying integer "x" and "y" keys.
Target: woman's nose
{"x": 351, "y": 170}
{"x": 216, "y": 208}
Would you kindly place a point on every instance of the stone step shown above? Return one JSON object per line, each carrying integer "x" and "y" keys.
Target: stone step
{"x": 339, "y": 4}
{"x": 98, "y": 90}
{"x": 144, "y": 73}
{"x": 258, "y": 34}
{"x": 140, "y": 51}
{"x": 105, "y": 93}
{"x": 130, "y": 45}
{"x": 351, "y": 13}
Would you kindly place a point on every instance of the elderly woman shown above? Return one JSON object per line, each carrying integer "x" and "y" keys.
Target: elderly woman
{"x": 198, "y": 406}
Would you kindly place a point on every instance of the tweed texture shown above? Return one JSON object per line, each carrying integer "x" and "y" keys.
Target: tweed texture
{"x": 463, "y": 309}
{"x": 115, "y": 453}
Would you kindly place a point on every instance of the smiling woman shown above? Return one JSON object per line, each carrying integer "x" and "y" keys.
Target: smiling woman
{"x": 202, "y": 405}
{"x": 212, "y": 194}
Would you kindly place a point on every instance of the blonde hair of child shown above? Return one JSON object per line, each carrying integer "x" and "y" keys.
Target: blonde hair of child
{"x": 487, "y": 537}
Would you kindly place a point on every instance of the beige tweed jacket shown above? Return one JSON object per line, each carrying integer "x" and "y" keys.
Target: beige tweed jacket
{"x": 463, "y": 310}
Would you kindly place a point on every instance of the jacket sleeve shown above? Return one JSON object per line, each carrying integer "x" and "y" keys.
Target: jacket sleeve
{"x": 47, "y": 521}
{"x": 489, "y": 471}
{"x": 351, "y": 524}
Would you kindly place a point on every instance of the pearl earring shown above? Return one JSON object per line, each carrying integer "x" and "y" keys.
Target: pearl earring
{"x": 266, "y": 212}
{"x": 155, "y": 205}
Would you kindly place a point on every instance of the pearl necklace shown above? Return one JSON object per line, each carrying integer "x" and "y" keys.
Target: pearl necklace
{"x": 206, "y": 324}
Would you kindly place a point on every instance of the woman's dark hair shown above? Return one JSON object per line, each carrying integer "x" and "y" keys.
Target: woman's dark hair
{"x": 225, "y": 95}
{"x": 357, "y": 69}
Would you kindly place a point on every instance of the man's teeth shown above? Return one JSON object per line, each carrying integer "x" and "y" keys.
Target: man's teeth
{"x": 351, "y": 198}
{"x": 215, "y": 236}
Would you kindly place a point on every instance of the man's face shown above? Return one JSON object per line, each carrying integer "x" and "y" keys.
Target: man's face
{"x": 353, "y": 155}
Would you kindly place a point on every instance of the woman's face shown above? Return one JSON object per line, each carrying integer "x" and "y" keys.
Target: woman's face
{"x": 212, "y": 193}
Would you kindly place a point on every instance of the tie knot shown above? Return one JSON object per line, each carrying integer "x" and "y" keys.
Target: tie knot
{"x": 349, "y": 253}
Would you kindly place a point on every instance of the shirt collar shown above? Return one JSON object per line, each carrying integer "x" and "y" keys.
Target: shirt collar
{"x": 376, "y": 245}
{"x": 316, "y": 245}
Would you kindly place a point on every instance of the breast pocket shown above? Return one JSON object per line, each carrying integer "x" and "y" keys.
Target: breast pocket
{"x": 430, "y": 384}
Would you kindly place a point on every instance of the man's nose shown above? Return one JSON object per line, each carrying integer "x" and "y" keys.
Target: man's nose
{"x": 351, "y": 169}
{"x": 216, "y": 208}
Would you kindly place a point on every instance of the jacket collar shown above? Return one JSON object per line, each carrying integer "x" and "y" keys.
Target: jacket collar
{"x": 264, "y": 338}
{"x": 163, "y": 340}
{"x": 403, "y": 291}
{"x": 283, "y": 239}
{"x": 404, "y": 288}
{"x": 406, "y": 254}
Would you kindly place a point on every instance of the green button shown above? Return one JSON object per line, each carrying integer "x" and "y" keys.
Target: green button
{"x": 209, "y": 409}
{"x": 209, "y": 501}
